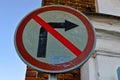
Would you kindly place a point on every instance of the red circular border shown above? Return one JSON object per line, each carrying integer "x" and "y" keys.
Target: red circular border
{"x": 57, "y": 67}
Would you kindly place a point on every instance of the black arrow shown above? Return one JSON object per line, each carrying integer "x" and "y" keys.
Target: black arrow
{"x": 43, "y": 35}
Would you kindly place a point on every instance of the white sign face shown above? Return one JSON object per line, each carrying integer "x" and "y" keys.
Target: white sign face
{"x": 56, "y": 52}
{"x": 55, "y": 39}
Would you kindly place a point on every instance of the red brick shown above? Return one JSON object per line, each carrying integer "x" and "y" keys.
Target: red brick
{"x": 45, "y": 75}
{"x": 34, "y": 78}
{"x": 60, "y": 76}
{"x": 87, "y": 5}
{"x": 30, "y": 69}
{"x": 76, "y": 71}
{"x": 40, "y": 78}
{"x": 31, "y": 73}
{"x": 68, "y": 76}
{"x": 30, "y": 78}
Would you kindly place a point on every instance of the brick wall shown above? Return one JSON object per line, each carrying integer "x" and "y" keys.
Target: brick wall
{"x": 82, "y": 5}
{"x": 32, "y": 74}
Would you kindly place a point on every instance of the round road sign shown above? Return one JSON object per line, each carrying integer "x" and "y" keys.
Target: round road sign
{"x": 55, "y": 39}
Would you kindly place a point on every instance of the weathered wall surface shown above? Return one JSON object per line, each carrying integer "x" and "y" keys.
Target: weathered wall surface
{"x": 104, "y": 63}
{"x": 109, "y": 7}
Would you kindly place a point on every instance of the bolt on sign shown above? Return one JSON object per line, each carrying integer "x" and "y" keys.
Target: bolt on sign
{"x": 55, "y": 39}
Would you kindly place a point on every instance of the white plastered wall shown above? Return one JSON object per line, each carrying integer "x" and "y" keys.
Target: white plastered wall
{"x": 111, "y": 7}
{"x": 106, "y": 60}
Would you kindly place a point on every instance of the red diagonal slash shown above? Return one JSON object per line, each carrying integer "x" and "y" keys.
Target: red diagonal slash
{"x": 58, "y": 36}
